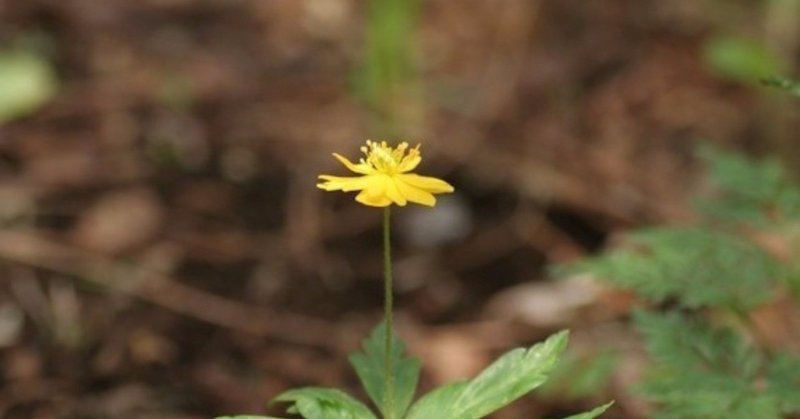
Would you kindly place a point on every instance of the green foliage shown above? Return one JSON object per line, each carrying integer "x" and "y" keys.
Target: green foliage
{"x": 783, "y": 378}
{"x": 705, "y": 372}
{"x": 387, "y": 79}
{"x": 584, "y": 375}
{"x": 511, "y": 376}
{"x": 788, "y": 85}
{"x": 389, "y": 54}
{"x": 324, "y": 403}
{"x": 695, "y": 266}
{"x": 27, "y": 81}
{"x": 760, "y": 192}
{"x": 740, "y": 59}
{"x": 707, "y": 358}
{"x": 369, "y": 366}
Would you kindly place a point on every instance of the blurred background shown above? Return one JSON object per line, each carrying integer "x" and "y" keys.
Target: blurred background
{"x": 165, "y": 253}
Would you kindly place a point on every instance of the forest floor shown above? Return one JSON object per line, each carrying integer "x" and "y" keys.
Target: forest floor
{"x": 166, "y": 254}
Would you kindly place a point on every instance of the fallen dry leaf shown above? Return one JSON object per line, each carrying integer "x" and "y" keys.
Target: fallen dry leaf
{"x": 120, "y": 221}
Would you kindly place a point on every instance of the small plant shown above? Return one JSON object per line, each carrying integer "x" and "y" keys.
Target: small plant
{"x": 788, "y": 85}
{"x": 387, "y": 374}
{"x": 705, "y": 285}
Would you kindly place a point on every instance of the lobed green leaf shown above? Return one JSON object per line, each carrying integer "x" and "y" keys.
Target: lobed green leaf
{"x": 757, "y": 192}
{"x": 369, "y": 367}
{"x": 324, "y": 403}
{"x": 701, "y": 371}
{"x": 514, "y": 374}
{"x": 697, "y": 266}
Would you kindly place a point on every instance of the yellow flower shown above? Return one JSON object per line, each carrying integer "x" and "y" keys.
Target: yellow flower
{"x": 385, "y": 179}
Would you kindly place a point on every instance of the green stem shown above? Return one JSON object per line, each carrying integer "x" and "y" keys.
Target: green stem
{"x": 388, "y": 394}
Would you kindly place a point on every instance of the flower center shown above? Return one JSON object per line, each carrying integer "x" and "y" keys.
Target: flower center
{"x": 385, "y": 159}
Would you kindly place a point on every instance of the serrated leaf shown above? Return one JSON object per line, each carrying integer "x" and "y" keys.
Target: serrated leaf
{"x": 702, "y": 372}
{"x": 698, "y": 266}
{"x": 683, "y": 344}
{"x": 597, "y": 411}
{"x": 437, "y": 400}
{"x": 26, "y": 83}
{"x": 747, "y": 190}
{"x": 514, "y": 374}
{"x": 324, "y": 403}
{"x": 369, "y": 366}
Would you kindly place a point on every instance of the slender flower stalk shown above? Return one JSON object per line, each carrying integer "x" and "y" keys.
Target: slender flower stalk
{"x": 388, "y": 395}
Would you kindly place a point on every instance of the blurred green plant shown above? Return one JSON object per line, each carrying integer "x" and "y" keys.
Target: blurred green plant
{"x": 513, "y": 375}
{"x": 746, "y": 191}
{"x": 579, "y": 376}
{"x": 386, "y": 373}
{"x": 740, "y": 59}
{"x": 702, "y": 370}
{"x": 709, "y": 358}
{"x": 27, "y": 81}
{"x": 790, "y": 86}
{"x": 387, "y": 79}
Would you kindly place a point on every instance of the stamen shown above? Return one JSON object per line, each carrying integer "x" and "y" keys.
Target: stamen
{"x": 385, "y": 158}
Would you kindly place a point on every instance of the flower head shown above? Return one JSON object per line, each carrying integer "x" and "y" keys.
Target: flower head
{"x": 385, "y": 177}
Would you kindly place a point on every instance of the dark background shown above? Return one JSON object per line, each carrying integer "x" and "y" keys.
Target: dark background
{"x": 165, "y": 253}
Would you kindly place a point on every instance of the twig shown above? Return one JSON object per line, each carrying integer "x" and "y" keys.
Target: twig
{"x": 31, "y": 248}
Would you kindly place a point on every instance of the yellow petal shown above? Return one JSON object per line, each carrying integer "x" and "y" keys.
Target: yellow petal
{"x": 361, "y": 168}
{"x": 426, "y": 183}
{"x": 373, "y": 201}
{"x": 414, "y": 194}
{"x": 409, "y": 163}
{"x": 347, "y": 184}
{"x": 393, "y": 192}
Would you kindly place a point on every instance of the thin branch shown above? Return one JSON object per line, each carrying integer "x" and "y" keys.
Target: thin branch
{"x": 33, "y": 249}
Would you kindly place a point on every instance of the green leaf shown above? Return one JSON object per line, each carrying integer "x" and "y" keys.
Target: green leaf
{"x": 437, "y": 401}
{"x": 597, "y": 411}
{"x": 788, "y": 85}
{"x": 369, "y": 367}
{"x": 747, "y": 190}
{"x": 698, "y": 266}
{"x": 514, "y": 374}
{"x": 324, "y": 403}
{"x": 581, "y": 375}
{"x": 686, "y": 344}
{"x": 26, "y": 83}
{"x": 703, "y": 372}
{"x": 740, "y": 59}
